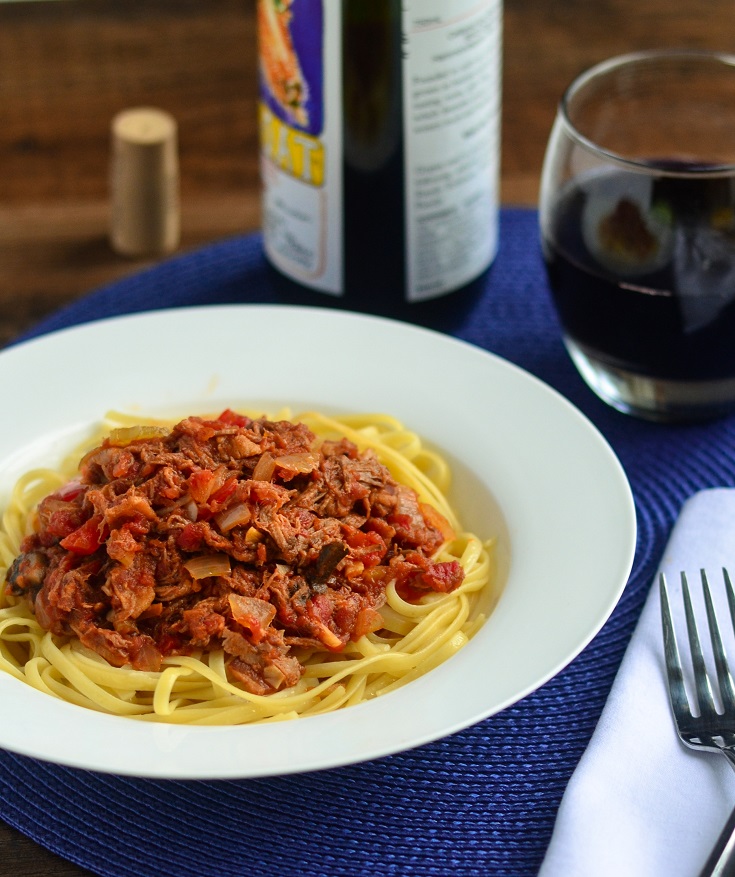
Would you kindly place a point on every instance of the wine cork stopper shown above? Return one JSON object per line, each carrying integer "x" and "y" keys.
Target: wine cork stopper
{"x": 144, "y": 182}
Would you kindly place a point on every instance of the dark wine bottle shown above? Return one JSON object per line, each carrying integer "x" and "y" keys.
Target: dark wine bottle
{"x": 379, "y": 142}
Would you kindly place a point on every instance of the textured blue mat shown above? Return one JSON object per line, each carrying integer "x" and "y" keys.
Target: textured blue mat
{"x": 481, "y": 802}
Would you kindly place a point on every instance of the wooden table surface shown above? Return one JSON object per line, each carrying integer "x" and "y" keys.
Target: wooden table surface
{"x": 67, "y": 67}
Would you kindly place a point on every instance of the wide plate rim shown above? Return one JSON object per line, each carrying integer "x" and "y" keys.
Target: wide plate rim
{"x": 169, "y": 752}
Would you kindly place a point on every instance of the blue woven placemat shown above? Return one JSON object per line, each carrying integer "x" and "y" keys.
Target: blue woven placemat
{"x": 481, "y": 802}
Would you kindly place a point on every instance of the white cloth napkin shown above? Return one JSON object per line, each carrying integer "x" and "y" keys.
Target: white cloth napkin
{"x": 640, "y": 804}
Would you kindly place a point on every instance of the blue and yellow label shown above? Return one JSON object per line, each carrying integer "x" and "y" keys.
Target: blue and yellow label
{"x": 301, "y": 139}
{"x": 291, "y": 34}
{"x": 298, "y": 154}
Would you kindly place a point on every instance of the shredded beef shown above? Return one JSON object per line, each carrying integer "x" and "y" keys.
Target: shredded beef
{"x": 122, "y": 557}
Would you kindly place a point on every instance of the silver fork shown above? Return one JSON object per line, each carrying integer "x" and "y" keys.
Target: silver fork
{"x": 709, "y": 729}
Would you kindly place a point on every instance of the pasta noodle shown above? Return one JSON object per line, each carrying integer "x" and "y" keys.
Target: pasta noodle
{"x": 195, "y": 689}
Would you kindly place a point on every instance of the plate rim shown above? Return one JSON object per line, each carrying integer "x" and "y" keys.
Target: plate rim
{"x": 332, "y": 722}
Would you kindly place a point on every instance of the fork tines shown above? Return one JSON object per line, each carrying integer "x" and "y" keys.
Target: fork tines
{"x": 706, "y": 702}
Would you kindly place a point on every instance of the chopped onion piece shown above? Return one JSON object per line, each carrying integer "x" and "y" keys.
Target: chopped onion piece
{"x": 233, "y": 517}
{"x": 330, "y": 640}
{"x": 251, "y": 612}
{"x": 298, "y": 463}
{"x": 206, "y": 565}
{"x": 123, "y": 436}
{"x": 70, "y": 490}
{"x": 264, "y": 468}
{"x": 273, "y": 676}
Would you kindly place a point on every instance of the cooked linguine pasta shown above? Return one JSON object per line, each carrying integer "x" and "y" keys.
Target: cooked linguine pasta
{"x": 414, "y": 634}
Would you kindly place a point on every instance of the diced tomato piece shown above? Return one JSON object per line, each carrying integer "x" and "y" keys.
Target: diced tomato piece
{"x": 224, "y": 492}
{"x": 437, "y": 520}
{"x": 169, "y": 644}
{"x": 69, "y": 492}
{"x": 378, "y": 525}
{"x": 206, "y": 486}
{"x": 321, "y": 610}
{"x": 443, "y": 577}
{"x": 190, "y": 538}
{"x": 199, "y": 484}
{"x": 233, "y": 418}
{"x": 345, "y": 616}
{"x": 61, "y": 522}
{"x": 369, "y": 548}
{"x": 87, "y": 538}
{"x": 440, "y": 577}
{"x": 368, "y": 620}
{"x": 137, "y": 526}
{"x": 408, "y": 593}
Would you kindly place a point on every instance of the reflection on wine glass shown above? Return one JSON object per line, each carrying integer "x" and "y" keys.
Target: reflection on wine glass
{"x": 637, "y": 214}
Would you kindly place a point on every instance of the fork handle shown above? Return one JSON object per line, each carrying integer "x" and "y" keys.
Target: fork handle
{"x": 721, "y": 862}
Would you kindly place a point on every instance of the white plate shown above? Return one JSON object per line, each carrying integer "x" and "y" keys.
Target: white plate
{"x": 528, "y": 467}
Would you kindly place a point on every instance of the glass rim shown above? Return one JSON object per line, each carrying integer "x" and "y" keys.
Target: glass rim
{"x": 723, "y": 59}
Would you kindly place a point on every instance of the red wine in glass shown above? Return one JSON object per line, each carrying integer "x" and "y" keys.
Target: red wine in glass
{"x": 642, "y": 269}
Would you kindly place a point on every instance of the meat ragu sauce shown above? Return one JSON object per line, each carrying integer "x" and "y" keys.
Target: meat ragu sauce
{"x": 245, "y": 535}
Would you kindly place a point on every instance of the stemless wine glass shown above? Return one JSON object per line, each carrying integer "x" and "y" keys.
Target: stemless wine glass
{"x": 637, "y": 214}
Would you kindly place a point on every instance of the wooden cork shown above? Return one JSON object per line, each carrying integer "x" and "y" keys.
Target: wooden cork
{"x": 144, "y": 183}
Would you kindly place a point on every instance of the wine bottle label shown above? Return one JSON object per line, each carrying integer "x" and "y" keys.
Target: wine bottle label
{"x": 451, "y": 93}
{"x": 300, "y": 137}
{"x": 450, "y": 104}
